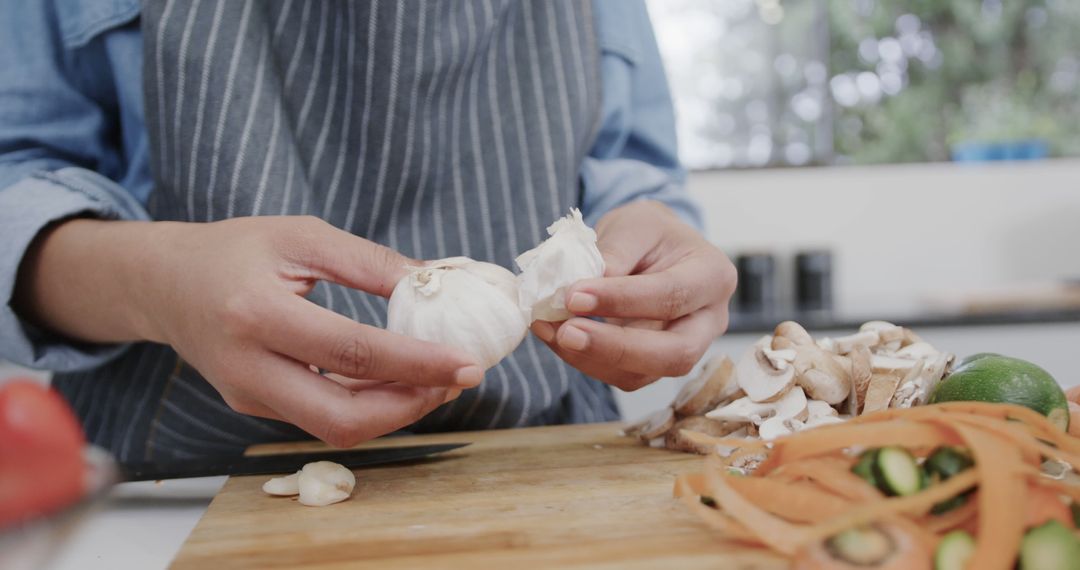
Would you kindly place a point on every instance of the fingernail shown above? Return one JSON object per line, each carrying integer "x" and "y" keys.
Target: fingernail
{"x": 582, "y": 302}
{"x": 451, "y": 395}
{"x": 468, "y": 376}
{"x": 544, "y": 330}
{"x": 573, "y": 338}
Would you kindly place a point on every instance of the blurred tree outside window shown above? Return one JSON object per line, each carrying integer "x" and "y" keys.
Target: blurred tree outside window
{"x": 796, "y": 82}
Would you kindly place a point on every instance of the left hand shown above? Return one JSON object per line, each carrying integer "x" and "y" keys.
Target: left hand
{"x": 664, "y": 298}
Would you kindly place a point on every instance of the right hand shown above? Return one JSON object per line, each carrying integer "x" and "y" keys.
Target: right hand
{"x": 229, "y": 298}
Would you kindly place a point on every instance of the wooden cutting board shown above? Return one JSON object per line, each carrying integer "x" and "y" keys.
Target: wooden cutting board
{"x": 563, "y": 496}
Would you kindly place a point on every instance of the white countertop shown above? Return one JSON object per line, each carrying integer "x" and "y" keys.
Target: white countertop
{"x": 140, "y": 526}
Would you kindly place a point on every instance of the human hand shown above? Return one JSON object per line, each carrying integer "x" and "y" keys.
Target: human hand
{"x": 664, "y": 298}
{"x": 229, "y": 297}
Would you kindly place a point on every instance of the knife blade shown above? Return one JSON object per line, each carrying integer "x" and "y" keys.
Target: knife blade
{"x": 278, "y": 463}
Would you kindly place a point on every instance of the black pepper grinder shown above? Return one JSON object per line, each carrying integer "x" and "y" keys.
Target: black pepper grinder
{"x": 813, "y": 281}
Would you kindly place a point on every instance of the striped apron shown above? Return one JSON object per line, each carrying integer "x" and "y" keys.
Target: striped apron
{"x": 435, "y": 128}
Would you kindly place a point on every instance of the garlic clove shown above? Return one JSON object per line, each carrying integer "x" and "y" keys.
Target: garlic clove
{"x": 324, "y": 483}
{"x": 286, "y": 486}
{"x": 547, "y": 270}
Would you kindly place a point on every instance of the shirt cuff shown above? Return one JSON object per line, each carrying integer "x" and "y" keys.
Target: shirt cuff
{"x": 26, "y": 208}
{"x": 610, "y": 183}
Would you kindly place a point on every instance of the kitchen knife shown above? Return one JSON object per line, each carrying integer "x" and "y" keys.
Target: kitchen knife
{"x": 284, "y": 463}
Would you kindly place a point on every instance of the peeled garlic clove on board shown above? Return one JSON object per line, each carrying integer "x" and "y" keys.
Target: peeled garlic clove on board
{"x": 463, "y": 303}
{"x": 568, "y": 256}
{"x": 324, "y": 483}
{"x": 286, "y": 486}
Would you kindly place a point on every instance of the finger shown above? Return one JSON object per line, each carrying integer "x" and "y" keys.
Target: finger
{"x": 664, "y": 295}
{"x": 602, "y": 371}
{"x": 309, "y": 333}
{"x": 670, "y": 352}
{"x": 330, "y": 411}
{"x": 354, "y": 384}
{"x": 335, "y": 255}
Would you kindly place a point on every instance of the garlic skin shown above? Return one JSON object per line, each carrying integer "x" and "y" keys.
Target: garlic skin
{"x": 547, "y": 270}
{"x": 324, "y": 483}
{"x": 463, "y": 303}
{"x": 286, "y": 486}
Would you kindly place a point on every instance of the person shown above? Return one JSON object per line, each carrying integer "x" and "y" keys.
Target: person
{"x": 204, "y": 206}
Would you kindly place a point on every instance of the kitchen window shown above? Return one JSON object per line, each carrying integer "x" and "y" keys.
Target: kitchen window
{"x": 826, "y": 82}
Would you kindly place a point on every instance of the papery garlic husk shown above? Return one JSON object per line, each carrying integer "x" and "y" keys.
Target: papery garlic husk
{"x": 460, "y": 302}
{"x": 547, "y": 270}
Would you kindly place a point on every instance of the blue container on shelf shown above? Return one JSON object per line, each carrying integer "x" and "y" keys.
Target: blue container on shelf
{"x": 1024, "y": 149}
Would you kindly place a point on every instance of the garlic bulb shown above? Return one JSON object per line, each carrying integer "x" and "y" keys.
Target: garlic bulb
{"x": 324, "y": 483}
{"x": 568, "y": 256}
{"x": 463, "y": 303}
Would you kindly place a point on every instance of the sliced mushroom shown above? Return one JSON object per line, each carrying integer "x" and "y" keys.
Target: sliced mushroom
{"x": 890, "y": 336}
{"x": 790, "y": 334}
{"x": 916, "y": 390}
{"x": 861, "y": 373}
{"x": 846, "y": 344}
{"x": 715, "y": 384}
{"x": 652, "y": 426}
{"x": 678, "y": 438}
{"x": 889, "y": 373}
{"x": 822, "y": 375}
{"x": 770, "y": 417}
{"x": 759, "y": 378}
{"x": 780, "y": 358}
{"x": 918, "y": 350}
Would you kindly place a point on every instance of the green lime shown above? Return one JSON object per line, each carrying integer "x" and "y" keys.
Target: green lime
{"x": 1001, "y": 379}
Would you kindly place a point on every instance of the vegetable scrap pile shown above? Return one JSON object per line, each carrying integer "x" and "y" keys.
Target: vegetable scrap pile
{"x": 961, "y": 485}
{"x": 787, "y": 382}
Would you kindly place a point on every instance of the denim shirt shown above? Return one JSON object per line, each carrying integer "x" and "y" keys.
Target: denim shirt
{"x": 73, "y": 138}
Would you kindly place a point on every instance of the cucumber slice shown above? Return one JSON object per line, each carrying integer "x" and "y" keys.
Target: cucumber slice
{"x": 862, "y": 546}
{"x": 897, "y": 472}
{"x": 943, "y": 463}
{"x": 864, "y": 467}
{"x": 1051, "y": 546}
{"x": 953, "y": 551}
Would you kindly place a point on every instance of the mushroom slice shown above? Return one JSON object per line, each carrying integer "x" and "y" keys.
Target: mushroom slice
{"x": 652, "y": 426}
{"x": 861, "y": 373}
{"x": 819, "y": 408}
{"x": 745, "y": 410}
{"x": 890, "y": 336}
{"x": 822, "y": 375}
{"x": 286, "y": 486}
{"x": 790, "y": 334}
{"x": 759, "y": 378}
{"x": 918, "y": 350}
{"x": 886, "y": 381}
{"x": 846, "y": 344}
{"x": 715, "y": 384}
{"x": 678, "y": 438}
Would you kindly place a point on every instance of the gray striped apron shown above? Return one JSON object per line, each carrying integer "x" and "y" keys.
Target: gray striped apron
{"x": 435, "y": 128}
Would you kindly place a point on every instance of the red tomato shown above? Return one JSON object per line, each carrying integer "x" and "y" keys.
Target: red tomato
{"x": 41, "y": 444}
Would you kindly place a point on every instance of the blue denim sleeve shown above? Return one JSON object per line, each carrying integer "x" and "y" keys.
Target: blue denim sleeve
{"x": 635, "y": 156}
{"x": 55, "y": 139}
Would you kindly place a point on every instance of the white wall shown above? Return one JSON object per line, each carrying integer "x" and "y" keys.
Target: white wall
{"x": 901, "y": 231}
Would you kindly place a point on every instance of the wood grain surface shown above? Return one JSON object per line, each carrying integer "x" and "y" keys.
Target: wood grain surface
{"x": 563, "y": 496}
